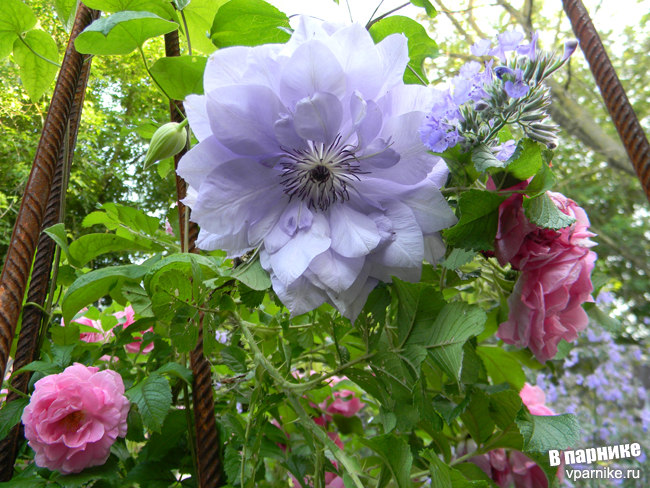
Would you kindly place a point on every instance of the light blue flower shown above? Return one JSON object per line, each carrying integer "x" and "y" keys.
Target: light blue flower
{"x": 309, "y": 151}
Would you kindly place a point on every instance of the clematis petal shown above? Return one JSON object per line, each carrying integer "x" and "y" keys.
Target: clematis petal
{"x": 312, "y": 68}
{"x": 353, "y": 233}
{"x": 243, "y": 118}
{"x": 407, "y": 250}
{"x": 236, "y": 244}
{"x": 296, "y": 216}
{"x": 336, "y": 272}
{"x": 404, "y": 99}
{"x": 293, "y": 258}
{"x": 225, "y": 67}
{"x": 394, "y": 54}
{"x": 318, "y": 118}
{"x": 202, "y": 159}
{"x": 379, "y": 155}
{"x": 286, "y": 133}
{"x": 237, "y": 192}
{"x": 197, "y": 114}
{"x": 434, "y": 249}
{"x": 263, "y": 66}
{"x": 362, "y": 65}
{"x": 300, "y": 297}
{"x": 370, "y": 126}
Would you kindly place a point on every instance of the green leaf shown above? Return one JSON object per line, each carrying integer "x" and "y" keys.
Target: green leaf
{"x": 447, "y": 409}
{"x": 138, "y": 299}
{"x": 58, "y": 234}
{"x": 458, "y": 258}
{"x": 180, "y": 76}
{"x": 440, "y": 476}
{"x": 161, "y": 8}
{"x": 542, "y": 211}
{"x": 455, "y": 323}
{"x": 199, "y": 15}
{"x": 135, "y": 428}
{"x": 504, "y": 407}
{"x": 476, "y": 417}
{"x": 15, "y": 18}
{"x": 10, "y": 415}
{"x": 502, "y": 367}
{"x": 41, "y": 366}
{"x": 181, "y": 4}
{"x": 542, "y": 433}
{"x": 89, "y": 246}
{"x": 183, "y": 331}
{"x": 526, "y": 160}
{"x": 107, "y": 471}
{"x": 543, "y": 181}
{"x": 396, "y": 455}
{"x": 484, "y": 159}
{"x": 177, "y": 370}
{"x": 66, "y": 11}
{"x": 428, "y": 8}
{"x": 97, "y": 284}
{"x": 153, "y": 396}
{"x": 31, "y": 482}
{"x": 479, "y": 219}
{"x": 253, "y": 275}
{"x": 235, "y": 359}
{"x": 36, "y": 73}
{"x": 420, "y": 45}
{"x": 418, "y": 306}
{"x": 152, "y": 474}
{"x": 473, "y": 475}
{"x": 174, "y": 428}
{"x": 122, "y": 33}
{"x": 249, "y": 23}
{"x": 181, "y": 262}
{"x": 65, "y": 335}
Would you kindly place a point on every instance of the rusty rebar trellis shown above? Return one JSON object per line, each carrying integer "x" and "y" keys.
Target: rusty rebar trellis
{"x": 29, "y": 221}
{"x": 207, "y": 436}
{"x": 619, "y": 107}
{"x": 27, "y": 348}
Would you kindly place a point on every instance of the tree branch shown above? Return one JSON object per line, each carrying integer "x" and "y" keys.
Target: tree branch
{"x": 457, "y": 25}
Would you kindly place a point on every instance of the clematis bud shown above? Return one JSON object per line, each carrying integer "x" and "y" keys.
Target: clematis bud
{"x": 166, "y": 142}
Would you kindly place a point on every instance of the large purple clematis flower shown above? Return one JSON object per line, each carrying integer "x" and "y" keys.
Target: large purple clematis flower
{"x": 310, "y": 151}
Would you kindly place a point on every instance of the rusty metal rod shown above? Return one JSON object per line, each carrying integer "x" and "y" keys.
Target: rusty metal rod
{"x": 27, "y": 348}
{"x": 26, "y": 232}
{"x": 208, "y": 447}
{"x": 616, "y": 101}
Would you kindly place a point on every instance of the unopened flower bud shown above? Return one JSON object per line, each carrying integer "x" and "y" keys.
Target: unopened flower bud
{"x": 503, "y": 70}
{"x": 166, "y": 142}
{"x": 569, "y": 48}
{"x": 480, "y": 106}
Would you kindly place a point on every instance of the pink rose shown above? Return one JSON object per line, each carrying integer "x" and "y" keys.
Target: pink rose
{"x": 534, "y": 398}
{"x": 134, "y": 347}
{"x": 345, "y": 403}
{"x": 555, "y": 280}
{"x": 74, "y": 417}
{"x": 99, "y": 336}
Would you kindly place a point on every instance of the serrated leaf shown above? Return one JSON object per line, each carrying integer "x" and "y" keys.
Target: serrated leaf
{"x": 180, "y": 76}
{"x": 249, "y": 297}
{"x": 153, "y": 396}
{"x": 449, "y": 410}
{"x": 36, "y": 73}
{"x": 89, "y": 246}
{"x": 484, "y": 159}
{"x": 58, "y": 234}
{"x": 542, "y": 433}
{"x": 418, "y": 307}
{"x": 10, "y": 415}
{"x": 458, "y": 258}
{"x": 479, "y": 218}
{"x": 152, "y": 474}
{"x": 396, "y": 456}
{"x": 122, "y": 33}
{"x": 249, "y": 23}
{"x": 40, "y": 366}
{"x": 473, "y": 475}
{"x": 177, "y": 370}
{"x": 476, "y": 417}
{"x": 427, "y": 6}
{"x": 420, "y": 45}
{"x": 526, "y": 160}
{"x": 543, "y": 181}
{"x": 454, "y": 325}
{"x": 181, "y": 262}
{"x": 504, "y": 407}
{"x": 252, "y": 275}
{"x": 542, "y": 211}
{"x": 96, "y": 284}
{"x": 15, "y": 18}
{"x": 502, "y": 367}
{"x": 235, "y": 359}
{"x": 138, "y": 299}
{"x": 66, "y": 11}
{"x": 65, "y": 335}
{"x": 107, "y": 471}
{"x": 184, "y": 332}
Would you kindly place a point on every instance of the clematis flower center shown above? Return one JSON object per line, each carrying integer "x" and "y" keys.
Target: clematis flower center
{"x": 320, "y": 174}
{"x": 72, "y": 420}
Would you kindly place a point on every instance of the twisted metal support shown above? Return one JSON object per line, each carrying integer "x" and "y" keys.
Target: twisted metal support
{"x": 208, "y": 447}
{"x": 16, "y": 271}
{"x": 619, "y": 107}
{"x": 27, "y": 348}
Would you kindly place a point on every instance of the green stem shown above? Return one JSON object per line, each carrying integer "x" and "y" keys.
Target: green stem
{"x": 187, "y": 33}
{"x": 146, "y": 67}
{"x": 38, "y": 55}
{"x": 417, "y": 75}
{"x": 383, "y": 16}
{"x": 305, "y": 420}
{"x": 8, "y": 386}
